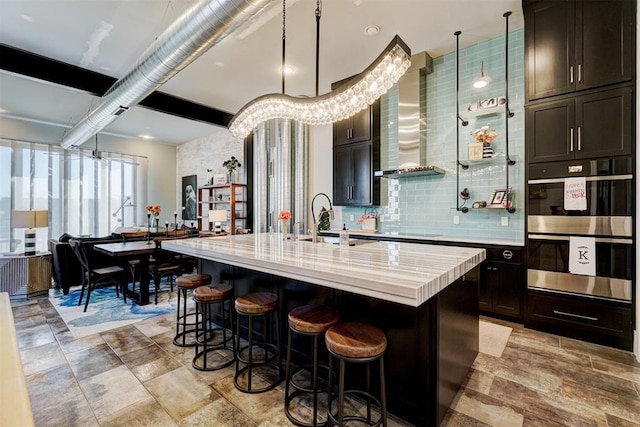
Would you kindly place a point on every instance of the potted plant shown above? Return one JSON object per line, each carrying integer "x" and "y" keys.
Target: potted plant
{"x": 232, "y": 164}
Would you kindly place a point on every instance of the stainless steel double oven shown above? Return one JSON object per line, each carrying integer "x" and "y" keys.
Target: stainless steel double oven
{"x": 608, "y": 218}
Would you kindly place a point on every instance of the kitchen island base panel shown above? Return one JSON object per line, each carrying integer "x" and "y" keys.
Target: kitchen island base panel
{"x": 430, "y": 348}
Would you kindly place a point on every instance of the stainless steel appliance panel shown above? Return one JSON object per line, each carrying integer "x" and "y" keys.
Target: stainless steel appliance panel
{"x": 621, "y": 226}
{"x": 595, "y": 286}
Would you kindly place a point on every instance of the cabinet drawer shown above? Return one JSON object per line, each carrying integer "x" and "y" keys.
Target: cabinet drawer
{"x": 591, "y": 320}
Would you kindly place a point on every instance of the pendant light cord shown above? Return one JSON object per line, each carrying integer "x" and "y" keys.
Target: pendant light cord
{"x": 318, "y": 15}
{"x": 284, "y": 39}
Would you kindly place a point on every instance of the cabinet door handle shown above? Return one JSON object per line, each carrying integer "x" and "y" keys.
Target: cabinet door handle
{"x": 578, "y": 316}
{"x": 571, "y": 74}
{"x": 571, "y": 148}
{"x": 579, "y": 73}
{"x": 579, "y": 139}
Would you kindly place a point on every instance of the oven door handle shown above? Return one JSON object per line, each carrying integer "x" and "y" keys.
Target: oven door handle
{"x": 577, "y": 316}
{"x": 566, "y": 239}
{"x": 588, "y": 178}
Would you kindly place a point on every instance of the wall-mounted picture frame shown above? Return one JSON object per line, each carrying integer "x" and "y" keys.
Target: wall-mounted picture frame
{"x": 189, "y": 197}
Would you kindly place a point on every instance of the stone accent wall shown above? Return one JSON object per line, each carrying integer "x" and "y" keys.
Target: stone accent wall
{"x": 209, "y": 152}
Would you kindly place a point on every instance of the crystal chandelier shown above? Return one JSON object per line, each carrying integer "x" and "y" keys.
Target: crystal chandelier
{"x": 343, "y": 102}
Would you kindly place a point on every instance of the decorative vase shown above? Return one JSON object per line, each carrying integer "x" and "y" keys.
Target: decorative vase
{"x": 284, "y": 228}
{"x": 232, "y": 176}
{"x": 487, "y": 151}
{"x": 148, "y": 228}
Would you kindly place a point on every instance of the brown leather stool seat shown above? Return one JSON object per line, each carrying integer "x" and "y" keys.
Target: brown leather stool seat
{"x": 356, "y": 343}
{"x": 192, "y": 281}
{"x": 258, "y": 304}
{"x": 186, "y": 322}
{"x": 312, "y": 321}
{"x": 213, "y": 352}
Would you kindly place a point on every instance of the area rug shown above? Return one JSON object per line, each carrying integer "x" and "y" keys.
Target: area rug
{"x": 106, "y": 311}
{"x": 493, "y": 338}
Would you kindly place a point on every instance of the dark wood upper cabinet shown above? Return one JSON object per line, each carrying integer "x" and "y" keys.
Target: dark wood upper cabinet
{"x": 594, "y": 125}
{"x": 353, "y": 180}
{"x": 577, "y": 45}
{"x": 354, "y": 129}
{"x": 356, "y": 156}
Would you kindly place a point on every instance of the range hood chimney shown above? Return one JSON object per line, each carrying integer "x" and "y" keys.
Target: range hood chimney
{"x": 412, "y": 139}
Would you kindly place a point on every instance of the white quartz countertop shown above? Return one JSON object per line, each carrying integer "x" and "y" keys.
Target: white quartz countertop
{"x": 406, "y": 273}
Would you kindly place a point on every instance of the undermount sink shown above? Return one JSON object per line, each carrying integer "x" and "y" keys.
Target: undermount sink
{"x": 352, "y": 242}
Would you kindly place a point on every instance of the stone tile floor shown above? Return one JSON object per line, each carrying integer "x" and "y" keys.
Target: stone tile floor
{"x": 135, "y": 376}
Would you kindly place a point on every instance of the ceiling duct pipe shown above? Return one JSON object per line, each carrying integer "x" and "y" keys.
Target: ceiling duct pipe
{"x": 192, "y": 34}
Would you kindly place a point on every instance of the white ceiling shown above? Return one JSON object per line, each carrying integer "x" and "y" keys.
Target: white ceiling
{"x": 108, "y": 36}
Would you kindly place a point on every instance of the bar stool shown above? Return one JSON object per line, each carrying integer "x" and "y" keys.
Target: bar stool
{"x": 207, "y": 298}
{"x": 310, "y": 321}
{"x": 356, "y": 343}
{"x": 186, "y": 322}
{"x": 258, "y": 304}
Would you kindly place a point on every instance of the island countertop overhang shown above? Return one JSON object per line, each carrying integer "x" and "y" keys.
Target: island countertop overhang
{"x": 405, "y": 273}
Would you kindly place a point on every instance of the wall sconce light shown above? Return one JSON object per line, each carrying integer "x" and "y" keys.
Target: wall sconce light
{"x": 481, "y": 81}
{"x": 30, "y": 220}
{"x": 217, "y": 217}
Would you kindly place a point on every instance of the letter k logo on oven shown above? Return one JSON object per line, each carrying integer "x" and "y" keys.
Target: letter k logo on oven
{"x": 583, "y": 253}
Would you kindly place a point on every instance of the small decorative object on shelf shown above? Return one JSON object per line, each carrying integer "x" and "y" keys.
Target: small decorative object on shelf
{"x": 232, "y": 164}
{"x": 368, "y": 220}
{"x": 324, "y": 221}
{"x": 284, "y": 217}
{"x": 486, "y": 137}
{"x": 475, "y": 151}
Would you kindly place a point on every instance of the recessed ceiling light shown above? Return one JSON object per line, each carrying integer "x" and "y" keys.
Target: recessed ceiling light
{"x": 220, "y": 64}
{"x": 28, "y": 18}
{"x": 145, "y": 136}
{"x": 371, "y": 30}
{"x": 288, "y": 69}
{"x": 105, "y": 68}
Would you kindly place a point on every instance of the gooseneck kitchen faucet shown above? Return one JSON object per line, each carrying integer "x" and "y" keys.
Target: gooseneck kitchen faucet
{"x": 314, "y": 232}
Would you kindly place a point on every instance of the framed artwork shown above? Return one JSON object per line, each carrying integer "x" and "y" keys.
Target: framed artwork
{"x": 189, "y": 200}
{"x": 498, "y": 197}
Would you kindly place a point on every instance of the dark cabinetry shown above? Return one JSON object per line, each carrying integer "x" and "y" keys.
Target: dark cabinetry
{"x": 593, "y": 125}
{"x": 502, "y": 283}
{"x": 355, "y": 159}
{"x": 353, "y": 181}
{"x": 604, "y": 322}
{"x": 354, "y": 129}
{"x": 577, "y": 45}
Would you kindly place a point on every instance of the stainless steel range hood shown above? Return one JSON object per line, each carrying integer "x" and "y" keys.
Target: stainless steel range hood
{"x": 412, "y": 128}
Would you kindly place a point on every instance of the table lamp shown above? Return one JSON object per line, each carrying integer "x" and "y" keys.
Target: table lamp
{"x": 217, "y": 216}
{"x": 30, "y": 220}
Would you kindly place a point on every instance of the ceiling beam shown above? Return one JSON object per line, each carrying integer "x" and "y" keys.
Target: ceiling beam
{"x": 40, "y": 67}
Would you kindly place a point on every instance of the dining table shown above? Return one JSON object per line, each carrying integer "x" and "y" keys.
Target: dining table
{"x": 139, "y": 250}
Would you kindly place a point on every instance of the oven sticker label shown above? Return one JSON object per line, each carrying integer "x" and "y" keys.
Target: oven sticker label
{"x": 575, "y": 194}
{"x": 582, "y": 255}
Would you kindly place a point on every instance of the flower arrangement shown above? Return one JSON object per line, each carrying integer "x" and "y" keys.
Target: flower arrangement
{"x": 484, "y": 135}
{"x": 284, "y": 216}
{"x": 153, "y": 210}
{"x": 232, "y": 164}
{"x": 366, "y": 216}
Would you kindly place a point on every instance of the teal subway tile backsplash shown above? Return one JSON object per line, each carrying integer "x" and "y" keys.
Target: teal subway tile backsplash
{"x": 426, "y": 205}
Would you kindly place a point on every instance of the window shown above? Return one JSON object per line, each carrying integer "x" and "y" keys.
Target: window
{"x": 84, "y": 195}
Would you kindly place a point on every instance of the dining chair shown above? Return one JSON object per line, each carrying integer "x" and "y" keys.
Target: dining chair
{"x": 165, "y": 265}
{"x": 134, "y": 264}
{"x": 93, "y": 276}
{"x": 188, "y": 263}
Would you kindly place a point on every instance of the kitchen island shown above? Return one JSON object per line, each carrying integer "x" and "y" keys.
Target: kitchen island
{"x": 424, "y": 297}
